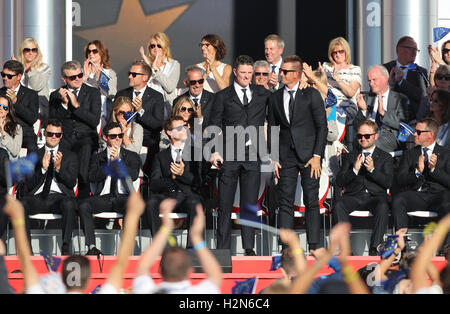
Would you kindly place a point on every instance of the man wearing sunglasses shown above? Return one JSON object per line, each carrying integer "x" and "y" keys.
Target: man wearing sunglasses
{"x": 262, "y": 73}
{"x": 424, "y": 175}
{"x": 385, "y": 107}
{"x": 365, "y": 176}
{"x": 405, "y": 76}
{"x": 51, "y": 188}
{"x": 202, "y": 99}
{"x": 149, "y": 104}
{"x": 25, "y": 100}
{"x": 109, "y": 195}
{"x": 78, "y": 107}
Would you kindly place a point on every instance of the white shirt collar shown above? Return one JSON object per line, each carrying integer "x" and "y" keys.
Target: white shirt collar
{"x": 278, "y": 64}
{"x": 141, "y": 91}
{"x": 198, "y": 97}
{"x": 239, "y": 88}
{"x": 16, "y": 90}
{"x": 54, "y": 149}
{"x": 430, "y": 148}
{"x": 286, "y": 89}
{"x": 369, "y": 151}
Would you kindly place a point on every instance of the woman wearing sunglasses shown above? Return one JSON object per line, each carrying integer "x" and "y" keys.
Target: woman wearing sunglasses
{"x": 165, "y": 69}
{"x": 184, "y": 107}
{"x": 438, "y": 59}
{"x": 440, "y": 111}
{"x": 11, "y": 131}
{"x": 216, "y": 73}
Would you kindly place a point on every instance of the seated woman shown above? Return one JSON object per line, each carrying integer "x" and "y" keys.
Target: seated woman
{"x": 37, "y": 73}
{"x": 440, "y": 111}
{"x": 438, "y": 59}
{"x": 184, "y": 107}
{"x": 216, "y": 74}
{"x": 165, "y": 69}
{"x": 11, "y": 131}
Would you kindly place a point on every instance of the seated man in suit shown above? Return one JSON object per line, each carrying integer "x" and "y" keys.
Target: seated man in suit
{"x": 406, "y": 77}
{"x": 384, "y": 106}
{"x": 424, "y": 173}
{"x": 25, "y": 101}
{"x": 110, "y": 194}
{"x": 50, "y": 189}
{"x": 202, "y": 99}
{"x": 365, "y": 176}
{"x": 78, "y": 107}
{"x": 174, "y": 174}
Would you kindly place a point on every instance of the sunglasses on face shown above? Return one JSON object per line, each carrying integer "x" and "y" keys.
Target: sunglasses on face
{"x": 94, "y": 51}
{"x": 5, "y": 107}
{"x": 25, "y": 50}
{"x": 341, "y": 52}
{"x": 114, "y": 136}
{"x": 366, "y": 136}
{"x": 134, "y": 74}
{"x": 190, "y": 110}
{"x": 179, "y": 128}
{"x": 285, "y": 72}
{"x": 445, "y": 50}
{"x": 152, "y": 46}
{"x": 74, "y": 77}
{"x": 206, "y": 45}
{"x": 194, "y": 82}
{"x": 52, "y": 134}
{"x": 262, "y": 74}
{"x": 442, "y": 77}
{"x": 10, "y": 76}
{"x": 420, "y": 131}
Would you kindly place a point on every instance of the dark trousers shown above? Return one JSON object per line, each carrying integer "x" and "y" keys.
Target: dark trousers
{"x": 4, "y": 220}
{"x": 377, "y": 205}
{"x": 96, "y": 205}
{"x": 55, "y": 203}
{"x": 186, "y": 203}
{"x": 249, "y": 175}
{"x": 287, "y": 186}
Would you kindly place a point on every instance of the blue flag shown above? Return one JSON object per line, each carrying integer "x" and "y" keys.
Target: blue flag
{"x": 245, "y": 287}
{"x": 389, "y": 246}
{"x": 331, "y": 99}
{"x": 116, "y": 169}
{"x": 404, "y": 132}
{"x": 130, "y": 116}
{"x": 276, "y": 262}
{"x": 335, "y": 264}
{"x": 104, "y": 80}
{"x": 250, "y": 212}
{"x": 22, "y": 168}
{"x": 440, "y": 32}
{"x": 96, "y": 289}
{"x": 52, "y": 262}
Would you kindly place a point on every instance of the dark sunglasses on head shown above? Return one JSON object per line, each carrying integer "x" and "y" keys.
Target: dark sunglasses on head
{"x": 134, "y": 74}
{"x": 153, "y": 46}
{"x": 421, "y": 131}
{"x": 445, "y": 50}
{"x": 10, "y": 76}
{"x": 114, "y": 136}
{"x": 284, "y": 71}
{"x": 25, "y": 50}
{"x": 342, "y": 51}
{"x": 5, "y": 107}
{"x": 262, "y": 73}
{"x": 442, "y": 77}
{"x": 193, "y": 82}
{"x": 183, "y": 109}
{"x": 94, "y": 51}
{"x": 51, "y": 134}
{"x": 366, "y": 136}
{"x": 74, "y": 77}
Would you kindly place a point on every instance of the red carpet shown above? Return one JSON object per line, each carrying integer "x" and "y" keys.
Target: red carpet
{"x": 243, "y": 268}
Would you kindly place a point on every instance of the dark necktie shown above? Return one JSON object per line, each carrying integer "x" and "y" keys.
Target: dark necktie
{"x": 378, "y": 116}
{"x": 366, "y": 154}
{"x": 136, "y": 93}
{"x": 425, "y": 154}
{"x": 273, "y": 68}
{"x": 291, "y": 104}
{"x": 49, "y": 177}
{"x": 195, "y": 102}
{"x": 244, "y": 99}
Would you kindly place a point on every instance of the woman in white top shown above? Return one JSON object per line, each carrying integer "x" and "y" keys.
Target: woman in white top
{"x": 216, "y": 74}
{"x": 10, "y": 130}
{"x": 165, "y": 69}
{"x": 133, "y": 133}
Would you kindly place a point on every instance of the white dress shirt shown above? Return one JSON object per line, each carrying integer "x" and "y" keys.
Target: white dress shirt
{"x": 106, "y": 188}
{"x": 54, "y": 188}
{"x": 238, "y": 88}
{"x": 141, "y": 94}
{"x": 287, "y": 97}
{"x": 375, "y": 107}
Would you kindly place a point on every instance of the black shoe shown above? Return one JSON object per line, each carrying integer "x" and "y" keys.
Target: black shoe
{"x": 250, "y": 252}
{"x": 94, "y": 251}
{"x": 373, "y": 252}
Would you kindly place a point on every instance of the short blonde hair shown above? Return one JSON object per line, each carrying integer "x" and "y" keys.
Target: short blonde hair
{"x": 163, "y": 40}
{"x": 25, "y": 43}
{"x": 339, "y": 41}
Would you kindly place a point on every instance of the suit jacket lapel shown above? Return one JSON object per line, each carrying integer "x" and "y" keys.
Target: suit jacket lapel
{"x": 281, "y": 106}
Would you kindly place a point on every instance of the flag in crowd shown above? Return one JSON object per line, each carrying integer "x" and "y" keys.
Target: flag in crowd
{"x": 245, "y": 287}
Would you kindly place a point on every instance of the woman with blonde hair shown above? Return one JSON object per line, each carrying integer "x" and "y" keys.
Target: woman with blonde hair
{"x": 165, "y": 69}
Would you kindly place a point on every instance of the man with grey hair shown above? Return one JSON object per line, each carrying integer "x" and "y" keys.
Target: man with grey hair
{"x": 261, "y": 75}
{"x": 78, "y": 107}
{"x": 273, "y": 49}
{"x": 383, "y": 106}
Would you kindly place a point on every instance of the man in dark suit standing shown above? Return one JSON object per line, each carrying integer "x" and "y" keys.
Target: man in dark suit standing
{"x": 25, "y": 100}
{"x": 273, "y": 50}
{"x": 78, "y": 107}
{"x": 110, "y": 194}
{"x": 51, "y": 188}
{"x": 383, "y": 106}
{"x": 150, "y": 107}
{"x": 239, "y": 111}
{"x": 366, "y": 175}
{"x": 424, "y": 173}
{"x": 406, "y": 77}
{"x": 174, "y": 175}
{"x": 202, "y": 99}
{"x": 301, "y": 117}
